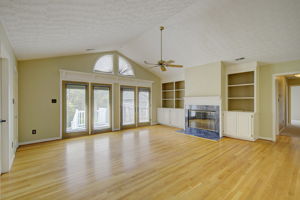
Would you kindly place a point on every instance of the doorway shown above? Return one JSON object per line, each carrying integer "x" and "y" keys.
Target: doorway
{"x": 287, "y": 105}
{"x": 101, "y": 108}
{"x": 128, "y": 107}
{"x": 135, "y": 106}
{"x": 295, "y": 105}
{"x": 75, "y": 109}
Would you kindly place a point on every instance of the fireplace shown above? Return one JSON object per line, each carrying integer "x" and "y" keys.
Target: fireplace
{"x": 202, "y": 117}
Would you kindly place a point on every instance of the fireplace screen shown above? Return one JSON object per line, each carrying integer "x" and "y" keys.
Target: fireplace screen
{"x": 202, "y": 119}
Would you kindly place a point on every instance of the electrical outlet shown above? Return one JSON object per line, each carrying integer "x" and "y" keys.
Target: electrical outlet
{"x": 33, "y": 132}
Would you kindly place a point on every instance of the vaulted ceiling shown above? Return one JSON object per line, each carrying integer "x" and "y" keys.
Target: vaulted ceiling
{"x": 197, "y": 32}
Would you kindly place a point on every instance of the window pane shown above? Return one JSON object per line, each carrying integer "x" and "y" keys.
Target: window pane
{"x": 76, "y": 108}
{"x": 125, "y": 67}
{"x": 105, "y": 64}
{"x": 101, "y": 108}
{"x": 128, "y": 105}
{"x": 144, "y": 105}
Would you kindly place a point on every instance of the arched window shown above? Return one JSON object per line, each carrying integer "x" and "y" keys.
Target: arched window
{"x": 125, "y": 67}
{"x": 105, "y": 64}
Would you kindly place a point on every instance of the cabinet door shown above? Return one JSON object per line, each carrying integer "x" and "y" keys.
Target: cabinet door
{"x": 166, "y": 116}
{"x": 230, "y": 125}
{"x": 173, "y": 117}
{"x": 245, "y": 125}
{"x": 160, "y": 114}
{"x": 180, "y": 118}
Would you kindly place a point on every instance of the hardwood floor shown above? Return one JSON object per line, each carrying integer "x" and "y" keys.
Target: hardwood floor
{"x": 155, "y": 163}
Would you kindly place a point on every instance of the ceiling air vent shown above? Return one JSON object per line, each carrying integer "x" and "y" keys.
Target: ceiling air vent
{"x": 239, "y": 59}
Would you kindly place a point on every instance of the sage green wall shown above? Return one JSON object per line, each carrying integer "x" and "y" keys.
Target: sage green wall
{"x": 204, "y": 80}
{"x": 266, "y": 73}
{"x": 39, "y": 83}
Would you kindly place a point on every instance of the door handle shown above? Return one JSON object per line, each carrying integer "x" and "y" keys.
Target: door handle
{"x": 2, "y": 121}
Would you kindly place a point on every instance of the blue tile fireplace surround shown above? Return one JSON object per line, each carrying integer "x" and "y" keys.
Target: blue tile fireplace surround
{"x": 202, "y": 121}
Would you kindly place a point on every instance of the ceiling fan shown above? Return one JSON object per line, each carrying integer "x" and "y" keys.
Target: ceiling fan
{"x": 162, "y": 63}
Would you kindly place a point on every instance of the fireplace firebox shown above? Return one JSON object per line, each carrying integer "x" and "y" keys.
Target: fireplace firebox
{"x": 202, "y": 117}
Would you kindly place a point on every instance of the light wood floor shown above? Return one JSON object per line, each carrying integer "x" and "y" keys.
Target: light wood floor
{"x": 291, "y": 130}
{"x": 155, "y": 163}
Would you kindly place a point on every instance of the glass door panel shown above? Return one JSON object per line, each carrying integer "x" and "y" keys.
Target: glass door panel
{"x": 76, "y": 108}
{"x": 144, "y": 105}
{"x": 128, "y": 106}
{"x": 101, "y": 107}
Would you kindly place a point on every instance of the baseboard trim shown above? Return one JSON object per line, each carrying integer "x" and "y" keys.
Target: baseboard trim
{"x": 265, "y": 138}
{"x": 38, "y": 141}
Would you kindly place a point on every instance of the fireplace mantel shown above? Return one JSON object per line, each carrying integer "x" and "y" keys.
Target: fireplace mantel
{"x": 203, "y": 100}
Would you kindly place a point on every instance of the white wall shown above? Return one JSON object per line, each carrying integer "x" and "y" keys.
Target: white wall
{"x": 9, "y": 136}
{"x": 295, "y": 103}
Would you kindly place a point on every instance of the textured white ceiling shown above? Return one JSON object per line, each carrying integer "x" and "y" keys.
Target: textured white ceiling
{"x": 45, "y": 28}
{"x": 214, "y": 30}
{"x": 197, "y": 31}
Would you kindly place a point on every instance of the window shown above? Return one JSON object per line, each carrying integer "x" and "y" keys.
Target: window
{"x": 105, "y": 64}
{"x": 125, "y": 67}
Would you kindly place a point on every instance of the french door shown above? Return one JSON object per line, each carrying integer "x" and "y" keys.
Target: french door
{"x": 76, "y": 107}
{"x": 135, "y": 106}
{"x": 128, "y": 107}
{"x": 101, "y": 108}
{"x": 143, "y": 106}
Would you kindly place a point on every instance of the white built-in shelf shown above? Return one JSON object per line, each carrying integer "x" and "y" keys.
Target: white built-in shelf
{"x": 240, "y": 97}
{"x": 181, "y": 99}
{"x": 168, "y": 99}
{"x": 179, "y": 89}
{"x": 241, "y": 85}
{"x": 168, "y": 90}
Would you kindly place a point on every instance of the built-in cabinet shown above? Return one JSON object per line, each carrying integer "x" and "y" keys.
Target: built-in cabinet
{"x": 240, "y": 118}
{"x": 239, "y": 125}
{"x": 172, "y": 111}
{"x": 171, "y": 117}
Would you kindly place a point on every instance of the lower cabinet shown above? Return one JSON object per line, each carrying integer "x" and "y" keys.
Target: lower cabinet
{"x": 171, "y": 117}
{"x": 239, "y": 125}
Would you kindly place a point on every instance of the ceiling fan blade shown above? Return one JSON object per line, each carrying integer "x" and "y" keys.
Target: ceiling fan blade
{"x": 163, "y": 68}
{"x": 170, "y": 61}
{"x": 178, "y": 66}
{"x": 153, "y": 66}
{"x": 147, "y": 63}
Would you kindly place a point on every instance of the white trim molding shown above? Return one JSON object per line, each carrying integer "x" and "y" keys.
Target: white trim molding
{"x": 39, "y": 141}
{"x": 266, "y": 138}
{"x": 67, "y": 75}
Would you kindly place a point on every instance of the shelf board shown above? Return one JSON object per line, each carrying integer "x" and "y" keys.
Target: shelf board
{"x": 240, "y": 97}
{"x": 168, "y": 90}
{"x": 168, "y": 99}
{"x": 180, "y": 99}
{"x": 179, "y": 89}
{"x": 241, "y": 85}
